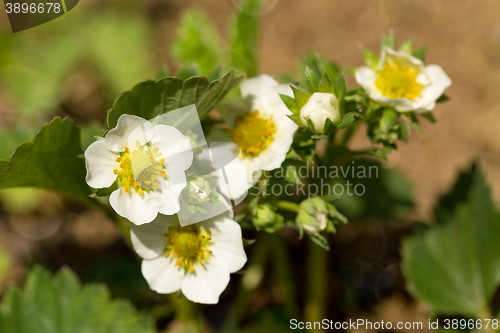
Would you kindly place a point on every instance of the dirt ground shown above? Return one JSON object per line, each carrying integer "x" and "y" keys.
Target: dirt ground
{"x": 462, "y": 36}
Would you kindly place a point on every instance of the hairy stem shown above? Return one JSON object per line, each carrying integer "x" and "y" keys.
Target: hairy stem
{"x": 317, "y": 277}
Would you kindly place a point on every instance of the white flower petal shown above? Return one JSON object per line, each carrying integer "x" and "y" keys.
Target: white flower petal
{"x": 167, "y": 196}
{"x": 137, "y": 209}
{"x": 439, "y": 82}
{"x": 228, "y": 244}
{"x": 149, "y": 239}
{"x": 100, "y": 165}
{"x": 232, "y": 180}
{"x": 206, "y": 283}
{"x": 365, "y": 77}
{"x": 174, "y": 147}
{"x": 256, "y": 86}
{"x": 162, "y": 275}
{"x": 403, "y": 57}
{"x": 128, "y": 130}
{"x": 270, "y": 100}
{"x": 426, "y": 108}
{"x": 274, "y": 155}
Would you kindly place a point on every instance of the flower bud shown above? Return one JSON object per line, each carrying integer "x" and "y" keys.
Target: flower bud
{"x": 319, "y": 108}
{"x": 265, "y": 218}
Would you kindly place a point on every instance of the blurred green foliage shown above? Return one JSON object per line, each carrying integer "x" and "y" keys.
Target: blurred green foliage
{"x": 244, "y": 36}
{"x": 34, "y": 68}
{"x": 455, "y": 266}
{"x": 59, "y": 304}
{"x": 197, "y": 42}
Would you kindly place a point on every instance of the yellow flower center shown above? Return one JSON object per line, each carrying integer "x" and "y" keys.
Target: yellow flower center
{"x": 188, "y": 245}
{"x": 398, "y": 81}
{"x": 140, "y": 169}
{"x": 253, "y": 133}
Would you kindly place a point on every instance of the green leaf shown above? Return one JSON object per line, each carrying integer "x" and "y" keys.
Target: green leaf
{"x": 149, "y": 99}
{"x": 347, "y": 120}
{"x": 388, "y": 41}
{"x": 244, "y": 37}
{"x": 52, "y": 161}
{"x": 311, "y": 80}
{"x": 326, "y": 85}
{"x": 457, "y": 195}
{"x": 429, "y": 116}
{"x": 291, "y": 168}
{"x": 340, "y": 87}
{"x": 371, "y": 59}
{"x": 319, "y": 240}
{"x": 198, "y": 42}
{"x": 455, "y": 267}
{"x": 420, "y": 53}
{"x": 442, "y": 98}
{"x": 318, "y": 65}
{"x": 290, "y": 103}
{"x": 301, "y": 96}
{"x": 296, "y": 118}
{"x": 340, "y": 91}
{"x": 59, "y": 304}
{"x": 407, "y": 46}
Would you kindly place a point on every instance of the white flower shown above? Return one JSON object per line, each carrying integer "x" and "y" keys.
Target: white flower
{"x": 319, "y": 108}
{"x": 264, "y": 133}
{"x": 402, "y": 81}
{"x": 148, "y": 164}
{"x": 196, "y": 259}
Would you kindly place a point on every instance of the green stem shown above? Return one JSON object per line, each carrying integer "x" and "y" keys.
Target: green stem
{"x": 486, "y": 314}
{"x": 185, "y": 310}
{"x": 254, "y": 272}
{"x": 317, "y": 277}
{"x": 287, "y": 205}
{"x": 348, "y": 133}
{"x": 283, "y": 271}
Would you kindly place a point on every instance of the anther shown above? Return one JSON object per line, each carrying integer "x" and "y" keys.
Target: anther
{"x": 156, "y": 185}
{"x": 191, "y": 268}
{"x": 201, "y": 263}
{"x": 208, "y": 251}
{"x": 167, "y": 255}
{"x": 115, "y": 171}
{"x": 164, "y": 173}
{"x": 137, "y": 143}
{"x": 126, "y": 188}
{"x": 139, "y": 191}
{"x": 162, "y": 160}
{"x": 153, "y": 177}
{"x": 155, "y": 150}
{"x": 118, "y": 159}
{"x": 126, "y": 149}
{"x": 178, "y": 262}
